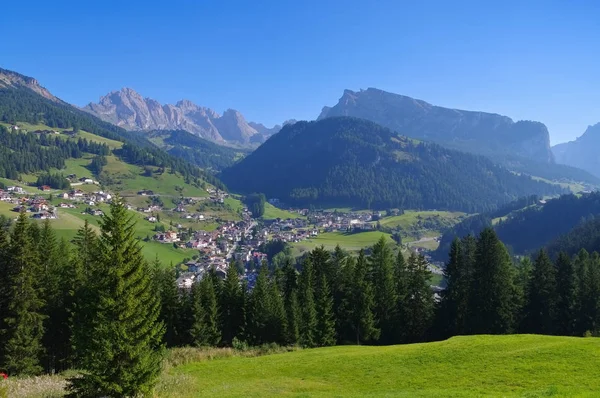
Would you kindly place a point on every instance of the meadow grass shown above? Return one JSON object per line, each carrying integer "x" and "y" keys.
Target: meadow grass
{"x": 272, "y": 212}
{"x": 411, "y": 217}
{"x": 470, "y": 366}
{"x": 348, "y": 241}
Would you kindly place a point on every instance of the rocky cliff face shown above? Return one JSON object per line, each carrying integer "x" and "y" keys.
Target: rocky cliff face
{"x": 13, "y": 79}
{"x": 478, "y": 132}
{"x": 128, "y": 109}
{"x": 583, "y": 152}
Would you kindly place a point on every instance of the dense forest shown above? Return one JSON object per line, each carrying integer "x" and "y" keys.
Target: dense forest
{"x": 54, "y": 296}
{"x": 30, "y": 152}
{"x": 533, "y": 227}
{"x": 344, "y": 161}
{"x": 24, "y": 105}
{"x": 196, "y": 150}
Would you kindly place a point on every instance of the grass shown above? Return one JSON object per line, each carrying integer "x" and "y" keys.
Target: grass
{"x": 348, "y": 241}
{"x": 470, "y": 366}
{"x": 412, "y": 217}
{"x": 272, "y": 212}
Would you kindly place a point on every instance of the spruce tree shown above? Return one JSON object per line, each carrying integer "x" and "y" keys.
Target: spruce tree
{"x": 381, "y": 264}
{"x": 566, "y": 287}
{"x": 453, "y": 296}
{"x": 259, "y": 308}
{"x": 541, "y": 299}
{"x": 325, "y": 330}
{"x": 197, "y": 317}
{"x": 82, "y": 298}
{"x": 582, "y": 269}
{"x": 419, "y": 304}
{"x": 277, "y": 328}
{"x": 492, "y": 291}
{"x": 401, "y": 283}
{"x": 212, "y": 332}
{"x": 290, "y": 301}
{"x": 23, "y": 319}
{"x": 5, "y": 290}
{"x": 125, "y": 349}
{"x": 232, "y": 311}
{"x": 307, "y": 304}
{"x": 171, "y": 305}
{"x": 362, "y": 303}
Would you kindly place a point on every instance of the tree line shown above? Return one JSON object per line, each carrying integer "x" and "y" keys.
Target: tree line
{"x": 99, "y": 307}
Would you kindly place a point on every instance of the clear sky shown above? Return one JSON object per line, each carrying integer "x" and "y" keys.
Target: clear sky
{"x": 276, "y": 60}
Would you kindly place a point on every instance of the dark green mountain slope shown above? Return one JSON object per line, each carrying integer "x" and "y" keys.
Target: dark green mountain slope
{"x": 533, "y": 226}
{"x": 199, "y": 151}
{"x": 346, "y": 161}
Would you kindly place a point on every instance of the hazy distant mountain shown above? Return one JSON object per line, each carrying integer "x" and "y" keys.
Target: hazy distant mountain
{"x": 343, "y": 161}
{"x": 128, "y": 109}
{"x": 478, "y": 132}
{"x": 10, "y": 79}
{"x": 583, "y": 152}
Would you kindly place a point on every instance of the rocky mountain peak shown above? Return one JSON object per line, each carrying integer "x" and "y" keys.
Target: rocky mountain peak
{"x": 129, "y": 109}
{"x": 9, "y": 78}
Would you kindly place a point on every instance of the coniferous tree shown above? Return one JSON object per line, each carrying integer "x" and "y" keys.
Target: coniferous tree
{"x": 23, "y": 319}
{"x": 277, "y": 328}
{"x": 401, "y": 283}
{"x": 541, "y": 300}
{"x": 453, "y": 297}
{"x": 197, "y": 317}
{"x": 212, "y": 332}
{"x": 307, "y": 304}
{"x": 259, "y": 308}
{"x": 232, "y": 310}
{"x": 492, "y": 293}
{"x": 419, "y": 304}
{"x": 566, "y": 295}
{"x": 582, "y": 268}
{"x": 126, "y": 348}
{"x": 5, "y": 291}
{"x": 170, "y": 301}
{"x": 325, "y": 330}
{"x": 290, "y": 302}
{"x": 381, "y": 264}
{"x": 82, "y": 299}
{"x": 362, "y": 303}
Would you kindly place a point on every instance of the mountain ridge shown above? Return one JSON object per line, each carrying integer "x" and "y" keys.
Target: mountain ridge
{"x": 345, "y": 161}
{"x": 581, "y": 152}
{"x": 471, "y": 131}
{"x": 128, "y": 109}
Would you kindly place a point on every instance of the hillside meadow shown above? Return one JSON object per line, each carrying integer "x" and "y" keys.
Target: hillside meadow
{"x": 465, "y": 366}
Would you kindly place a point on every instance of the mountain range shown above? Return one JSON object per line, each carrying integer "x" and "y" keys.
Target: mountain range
{"x": 345, "y": 161}
{"x": 582, "y": 152}
{"x": 126, "y": 108}
{"x": 478, "y": 132}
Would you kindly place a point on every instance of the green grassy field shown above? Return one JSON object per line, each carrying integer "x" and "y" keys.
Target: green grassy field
{"x": 347, "y": 241}
{"x": 411, "y": 217}
{"x": 272, "y": 212}
{"x": 471, "y": 366}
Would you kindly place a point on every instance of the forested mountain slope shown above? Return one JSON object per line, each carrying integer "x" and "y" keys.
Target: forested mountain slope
{"x": 534, "y": 225}
{"x": 522, "y": 146}
{"x": 346, "y": 161}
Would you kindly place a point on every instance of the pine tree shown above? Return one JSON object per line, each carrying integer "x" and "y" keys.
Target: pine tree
{"x": 382, "y": 277}
{"x": 82, "y": 298}
{"x": 232, "y": 311}
{"x": 170, "y": 301}
{"x": 492, "y": 291}
{"x": 197, "y": 317}
{"x": 5, "y": 291}
{"x": 401, "y": 283}
{"x": 325, "y": 330}
{"x": 126, "y": 348}
{"x": 277, "y": 328}
{"x": 582, "y": 269}
{"x": 259, "y": 308}
{"x": 212, "y": 332}
{"x": 541, "y": 298}
{"x": 23, "y": 320}
{"x": 566, "y": 300}
{"x": 362, "y": 303}
{"x": 419, "y": 304}
{"x": 290, "y": 302}
{"x": 307, "y": 304}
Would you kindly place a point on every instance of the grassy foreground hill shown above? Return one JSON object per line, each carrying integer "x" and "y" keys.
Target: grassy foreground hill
{"x": 469, "y": 366}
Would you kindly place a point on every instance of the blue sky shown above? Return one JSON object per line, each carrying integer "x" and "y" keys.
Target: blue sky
{"x": 276, "y": 60}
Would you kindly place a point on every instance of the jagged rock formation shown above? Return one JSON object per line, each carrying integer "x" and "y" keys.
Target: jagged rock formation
{"x": 583, "y": 152}
{"x": 128, "y": 109}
